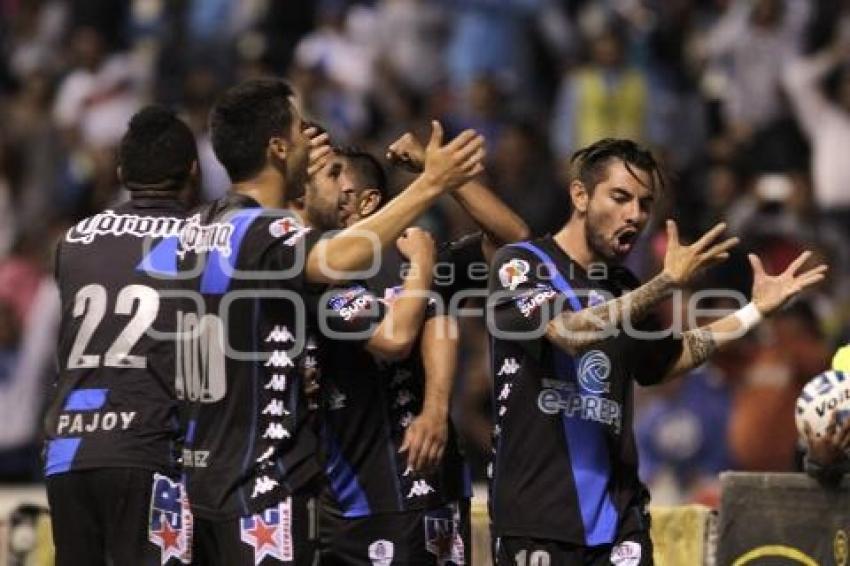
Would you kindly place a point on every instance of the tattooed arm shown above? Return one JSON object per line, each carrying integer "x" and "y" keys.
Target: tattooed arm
{"x": 770, "y": 293}
{"x": 574, "y": 331}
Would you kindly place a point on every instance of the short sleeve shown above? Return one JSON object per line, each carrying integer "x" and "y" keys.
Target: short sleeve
{"x": 520, "y": 295}
{"x": 352, "y": 311}
{"x": 652, "y": 356}
{"x": 461, "y": 266}
{"x": 282, "y": 244}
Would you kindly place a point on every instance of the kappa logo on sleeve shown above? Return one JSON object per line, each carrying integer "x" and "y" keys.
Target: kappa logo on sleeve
{"x": 170, "y": 522}
{"x": 513, "y": 273}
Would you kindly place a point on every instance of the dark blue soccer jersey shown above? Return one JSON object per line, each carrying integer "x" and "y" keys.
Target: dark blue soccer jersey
{"x": 367, "y": 407}
{"x": 113, "y": 403}
{"x": 244, "y": 331}
{"x": 564, "y": 466}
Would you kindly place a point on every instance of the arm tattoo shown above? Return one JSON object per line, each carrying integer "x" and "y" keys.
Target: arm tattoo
{"x": 579, "y": 330}
{"x": 700, "y": 344}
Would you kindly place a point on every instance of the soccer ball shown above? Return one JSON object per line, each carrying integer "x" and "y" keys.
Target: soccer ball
{"x": 823, "y": 395}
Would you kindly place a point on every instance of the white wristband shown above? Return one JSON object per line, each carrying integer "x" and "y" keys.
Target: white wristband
{"x": 749, "y": 316}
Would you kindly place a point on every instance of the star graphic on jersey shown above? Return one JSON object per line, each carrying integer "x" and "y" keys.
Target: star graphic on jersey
{"x": 264, "y": 535}
{"x": 168, "y": 535}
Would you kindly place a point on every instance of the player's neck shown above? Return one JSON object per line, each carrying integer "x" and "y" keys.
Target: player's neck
{"x": 571, "y": 238}
{"x": 264, "y": 188}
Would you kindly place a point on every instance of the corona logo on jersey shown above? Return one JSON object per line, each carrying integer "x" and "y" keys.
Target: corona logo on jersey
{"x": 170, "y": 523}
{"x": 270, "y": 532}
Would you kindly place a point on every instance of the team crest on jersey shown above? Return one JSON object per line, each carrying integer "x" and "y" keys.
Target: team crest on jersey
{"x": 270, "y": 532}
{"x": 443, "y": 540}
{"x": 170, "y": 522}
{"x": 593, "y": 370}
{"x": 284, "y": 226}
{"x": 381, "y": 552}
{"x": 626, "y": 553}
{"x": 513, "y": 273}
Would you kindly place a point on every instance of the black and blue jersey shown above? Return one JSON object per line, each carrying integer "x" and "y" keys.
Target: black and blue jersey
{"x": 113, "y": 404}
{"x": 241, "y": 334}
{"x": 564, "y": 466}
{"x": 368, "y": 405}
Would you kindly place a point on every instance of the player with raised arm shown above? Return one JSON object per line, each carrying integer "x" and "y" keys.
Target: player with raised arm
{"x": 112, "y": 437}
{"x": 250, "y": 459}
{"x": 572, "y": 331}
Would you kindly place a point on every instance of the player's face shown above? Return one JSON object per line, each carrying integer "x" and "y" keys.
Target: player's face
{"x": 349, "y": 196}
{"x": 295, "y": 171}
{"x": 617, "y": 211}
{"x": 322, "y": 201}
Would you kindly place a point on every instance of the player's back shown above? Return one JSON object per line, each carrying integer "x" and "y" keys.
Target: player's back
{"x": 247, "y": 443}
{"x": 114, "y": 401}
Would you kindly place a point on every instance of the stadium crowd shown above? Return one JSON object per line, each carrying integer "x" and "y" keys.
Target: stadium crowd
{"x": 746, "y": 101}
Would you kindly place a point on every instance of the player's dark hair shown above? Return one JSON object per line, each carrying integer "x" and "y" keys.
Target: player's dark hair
{"x": 244, "y": 119}
{"x": 368, "y": 169}
{"x": 157, "y": 151}
{"x": 591, "y": 163}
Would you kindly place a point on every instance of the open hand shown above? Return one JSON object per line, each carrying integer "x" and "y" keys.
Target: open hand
{"x": 450, "y": 165}
{"x": 770, "y": 292}
{"x": 425, "y": 441}
{"x": 683, "y": 263}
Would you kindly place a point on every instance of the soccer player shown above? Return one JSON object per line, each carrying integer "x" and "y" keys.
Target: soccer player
{"x": 396, "y": 478}
{"x": 111, "y": 463}
{"x": 250, "y": 461}
{"x": 564, "y": 487}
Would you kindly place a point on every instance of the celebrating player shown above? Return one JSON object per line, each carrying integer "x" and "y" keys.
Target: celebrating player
{"x": 250, "y": 459}
{"x": 111, "y": 464}
{"x": 570, "y": 336}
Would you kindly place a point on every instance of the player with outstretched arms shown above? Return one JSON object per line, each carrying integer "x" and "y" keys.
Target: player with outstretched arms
{"x": 572, "y": 330}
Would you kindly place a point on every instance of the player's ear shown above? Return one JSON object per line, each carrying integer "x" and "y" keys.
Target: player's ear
{"x": 278, "y": 148}
{"x": 370, "y": 201}
{"x": 579, "y": 196}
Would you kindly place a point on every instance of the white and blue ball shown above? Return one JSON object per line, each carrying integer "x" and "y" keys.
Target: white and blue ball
{"x": 825, "y": 394}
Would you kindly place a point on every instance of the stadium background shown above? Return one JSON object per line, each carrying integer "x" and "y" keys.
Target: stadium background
{"x": 703, "y": 82}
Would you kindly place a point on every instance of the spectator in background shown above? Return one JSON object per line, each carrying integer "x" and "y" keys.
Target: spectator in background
{"x": 752, "y": 41}
{"x": 606, "y": 98}
{"x": 521, "y": 173}
{"x": 762, "y": 433}
{"x": 825, "y": 119}
{"x": 95, "y": 101}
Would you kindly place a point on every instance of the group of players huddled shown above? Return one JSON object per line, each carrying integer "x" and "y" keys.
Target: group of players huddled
{"x": 266, "y": 379}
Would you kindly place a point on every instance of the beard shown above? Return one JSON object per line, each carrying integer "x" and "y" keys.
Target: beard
{"x": 294, "y": 172}
{"x": 597, "y": 242}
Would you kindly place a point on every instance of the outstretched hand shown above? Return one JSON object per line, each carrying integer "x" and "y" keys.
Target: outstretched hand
{"x": 771, "y": 292}
{"x": 454, "y": 163}
{"x": 683, "y": 263}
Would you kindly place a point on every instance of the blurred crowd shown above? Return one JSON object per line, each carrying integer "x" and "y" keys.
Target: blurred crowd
{"x": 747, "y": 102}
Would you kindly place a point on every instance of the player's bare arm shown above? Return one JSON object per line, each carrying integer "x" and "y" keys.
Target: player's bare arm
{"x": 426, "y": 437}
{"x": 575, "y": 331}
{"x": 500, "y": 224}
{"x": 446, "y": 166}
{"x": 769, "y": 294}
{"x": 394, "y": 337}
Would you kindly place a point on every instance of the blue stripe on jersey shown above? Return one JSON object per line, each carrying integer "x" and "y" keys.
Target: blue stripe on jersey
{"x": 557, "y": 279}
{"x": 350, "y": 496}
{"x": 219, "y": 269}
{"x": 85, "y": 399}
{"x": 162, "y": 260}
{"x": 586, "y": 440}
{"x": 60, "y": 454}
